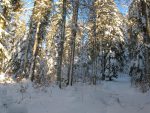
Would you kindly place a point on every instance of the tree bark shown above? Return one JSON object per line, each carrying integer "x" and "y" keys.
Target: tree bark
{"x": 35, "y": 52}
{"x": 73, "y": 39}
{"x": 60, "y": 51}
{"x": 147, "y": 16}
{"x": 36, "y": 34}
{"x": 30, "y": 41}
{"x": 94, "y": 39}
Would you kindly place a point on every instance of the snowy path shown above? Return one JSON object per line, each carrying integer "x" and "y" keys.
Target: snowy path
{"x": 107, "y": 97}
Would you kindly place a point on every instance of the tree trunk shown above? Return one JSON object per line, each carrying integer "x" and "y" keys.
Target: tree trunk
{"x": 37, "y": 32}
{"x": 60, "y": 51}
{"x": 94, "y": 38}
{"x": 147, "y": 15}
{"x": 73, "y": 39}
{"x": 30, "y": 40}
{"x": 35, "y": 51}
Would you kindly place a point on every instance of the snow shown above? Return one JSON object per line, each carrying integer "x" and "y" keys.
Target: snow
{"x": 2, "y": 76}
{"x": 5, "y": 78}
{"x": 107, "y": 97}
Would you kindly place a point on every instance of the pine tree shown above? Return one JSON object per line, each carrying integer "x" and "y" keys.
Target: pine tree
{"x": 93, "y": 40}
{"x": 61, "y": 43}
{"x": 139, "y": 35}
{"x": 73, "y": 39}
{"x": 10, "y": 20}
{"x": 39, "y": 19}
{"x": 110, "y": 33}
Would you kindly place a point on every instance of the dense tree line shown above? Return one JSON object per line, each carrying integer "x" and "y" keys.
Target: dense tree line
{"x": 139, "y": 30}
{"x": 72, "y": 40}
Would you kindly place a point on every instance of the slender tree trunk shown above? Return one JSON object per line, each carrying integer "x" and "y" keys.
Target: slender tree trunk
{"x": 147, "y": 16}
{"x": 147, "y": 20}
{"x": 30, "y": 40}
{"x": 35, "y": 52}
{"x": 93, "y": 19}
{"x": 73, "y": 39}
{"x": 60, "y": 51}
{"x": 36, "y": 34}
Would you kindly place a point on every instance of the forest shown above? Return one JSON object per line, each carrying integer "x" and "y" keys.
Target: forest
{"x": 74, "y": 51}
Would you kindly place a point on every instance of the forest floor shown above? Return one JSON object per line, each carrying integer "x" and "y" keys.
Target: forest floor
{"x": 108, "y": 97}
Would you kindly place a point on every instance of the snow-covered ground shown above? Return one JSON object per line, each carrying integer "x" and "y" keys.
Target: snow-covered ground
{"x": 107, "y": 97}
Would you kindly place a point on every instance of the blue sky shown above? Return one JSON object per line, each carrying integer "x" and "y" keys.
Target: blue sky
{"x": 120, "y": 4}
{"x": 122, "y": 9}
{"x": 123, "y": 5}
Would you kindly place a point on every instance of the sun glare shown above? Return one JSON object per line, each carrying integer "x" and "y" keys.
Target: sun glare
{"x": 5, "y": 79}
